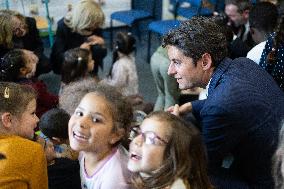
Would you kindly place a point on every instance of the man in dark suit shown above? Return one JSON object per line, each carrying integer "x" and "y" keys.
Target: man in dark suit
{"x": 237, "y": 12}
{"x": 240, "y": 119}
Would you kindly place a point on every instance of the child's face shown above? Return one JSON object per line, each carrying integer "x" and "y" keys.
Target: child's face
{"x": 147, "y": 150}
{"x": 91, "y": 125}
{"x": 91, "y": 63}
{"x": 31, "y": 62}
{"x": 25, "y": 125}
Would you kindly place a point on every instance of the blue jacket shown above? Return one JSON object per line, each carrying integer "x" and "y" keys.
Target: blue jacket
{"x": 240, "y": 123}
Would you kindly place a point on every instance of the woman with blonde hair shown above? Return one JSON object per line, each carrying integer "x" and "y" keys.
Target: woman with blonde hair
{"x": 80, "y": 28}
{"x": 5, "y": 34}
{"x": 18, "y": 31}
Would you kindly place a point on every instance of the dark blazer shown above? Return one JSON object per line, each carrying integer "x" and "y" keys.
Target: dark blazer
{"x": 66, "y": 39}
{"x": 31, "y": 41}
{"x": 240, "y": 124}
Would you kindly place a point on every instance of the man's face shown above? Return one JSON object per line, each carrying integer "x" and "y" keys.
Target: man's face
{"x": 187, "y": 74}
{"x": 236, "y": 19}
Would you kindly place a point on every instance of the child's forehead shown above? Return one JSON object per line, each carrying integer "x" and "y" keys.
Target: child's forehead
{"x": 94, "y": 100}
{"x": 156, "y": 125}
{"x": 95, "y": 97}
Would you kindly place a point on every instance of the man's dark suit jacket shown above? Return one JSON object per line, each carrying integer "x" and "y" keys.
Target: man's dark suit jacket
{"x": 240, "y": 123}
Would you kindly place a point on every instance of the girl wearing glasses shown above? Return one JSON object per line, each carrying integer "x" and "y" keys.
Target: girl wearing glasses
{"x": 167, "y": 153}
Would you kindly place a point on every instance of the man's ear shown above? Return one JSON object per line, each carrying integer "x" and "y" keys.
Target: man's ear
{"x": 206, "y": 61}
{"x": 246, "y": 14}
{"x": 6, "y": 119}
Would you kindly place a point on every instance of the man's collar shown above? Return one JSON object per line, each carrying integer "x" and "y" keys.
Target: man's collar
{"x": 219, "y": 71}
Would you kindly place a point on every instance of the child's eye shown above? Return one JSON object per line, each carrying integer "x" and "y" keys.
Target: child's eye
{"x": 78, "y": 113}
{"x": 96, "y": 120}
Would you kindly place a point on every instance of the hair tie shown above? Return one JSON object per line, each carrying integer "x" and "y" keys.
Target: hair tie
{"x": 7, "y": 92}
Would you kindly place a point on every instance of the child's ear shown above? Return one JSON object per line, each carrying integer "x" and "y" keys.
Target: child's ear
{"x": 23, "y": 71}
{"x": 117, "y": 136}
{"x": 6, "y": 119}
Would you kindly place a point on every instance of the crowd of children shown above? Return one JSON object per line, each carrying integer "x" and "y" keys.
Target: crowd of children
{"x": 86, "y": 137}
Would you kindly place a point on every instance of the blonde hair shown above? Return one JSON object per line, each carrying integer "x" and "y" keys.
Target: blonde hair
{"x": 6, "y": 33}
{"x": 87, "y": 14}
{"x": 6, "y": 26}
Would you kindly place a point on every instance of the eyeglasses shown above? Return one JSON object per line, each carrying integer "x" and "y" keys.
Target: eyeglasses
{"x": 149, "y": 137}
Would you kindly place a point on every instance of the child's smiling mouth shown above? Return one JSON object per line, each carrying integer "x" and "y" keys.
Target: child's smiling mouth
{"x": 80, "y": 137}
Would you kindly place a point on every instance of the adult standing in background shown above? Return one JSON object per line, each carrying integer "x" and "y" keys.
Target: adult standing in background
{"x": 167, "y": 87}
{"x": 238, "y": 14}
{"x": 240, "y": 119}
{"x": 23, "y": 34}
{"x": 80, "y": 28}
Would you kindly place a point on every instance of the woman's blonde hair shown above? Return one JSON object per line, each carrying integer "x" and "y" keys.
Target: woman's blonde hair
{"x": 87, "y": 15}
{"x": 6, "y": 26}
{"x": 6, "y": 31}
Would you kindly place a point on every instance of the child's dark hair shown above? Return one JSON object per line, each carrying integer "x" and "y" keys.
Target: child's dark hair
{"x": 14, "y": 98}
{"x": 54, "y": 123}
{"x": 268, "y": 19}
{"x": 120, "y": 107}
{"x": 75, "y": 64}
{"x": 125, "y": 44}
{"x": 11, "y": 64}
{"x": 184, "y": 156}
